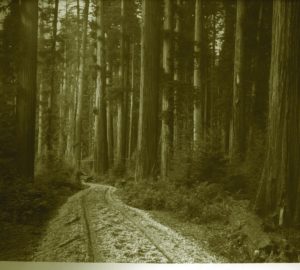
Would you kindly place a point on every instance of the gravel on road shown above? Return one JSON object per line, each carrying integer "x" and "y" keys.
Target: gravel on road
{"x": 95, "y": 226}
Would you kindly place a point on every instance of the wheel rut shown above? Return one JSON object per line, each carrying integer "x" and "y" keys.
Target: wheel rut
{"x": 95, "y": 226}
{"x": 116, "y": 205}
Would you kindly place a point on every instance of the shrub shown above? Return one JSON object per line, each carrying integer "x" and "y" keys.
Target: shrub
{"x": 202, "y": 166}
{"x": 200, "y": 204}
{"x": 31, "y": 203}
{"x": 242, "y": 179}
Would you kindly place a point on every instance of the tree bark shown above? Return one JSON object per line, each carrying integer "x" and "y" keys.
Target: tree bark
{"x": 26, "y": 96}
{"x": 79, "y": 107}
{"x": 42, "y": 108}
{"x": 101, "y": 147}
{"x": 41, "y": 119}
{"x": 255, "y": 70}
{"x": 149, "y": 89}
{"x": 178, "y": 74}
{"x": 168, "y": 75}
{"x": 238, "y": 135}
{"x": 110, "y": 124}
{"x": 131, "y": 136}
{"x": 279, "y": 192}
{"x": 213, "y": 132}
{"x": 225, "y": 75}
{"x": 197, "y": 117}
{"x": 122, "y": 100}
{"x": 62, "y": 109}
{"x": 65, "y": 94}
{"x": 52, "y": 109}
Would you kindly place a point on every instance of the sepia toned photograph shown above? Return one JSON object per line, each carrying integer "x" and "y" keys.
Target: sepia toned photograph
{"x": 150, "y": 131}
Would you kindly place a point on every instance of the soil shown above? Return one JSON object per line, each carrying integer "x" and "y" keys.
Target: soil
{"x": 94, "y": 226}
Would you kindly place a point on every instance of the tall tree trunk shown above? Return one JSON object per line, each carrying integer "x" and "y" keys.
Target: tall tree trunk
{"x": 26, "y": 96}
{"x": 75, "y": 96}
{"x": 52, "y": 109}
{"x": 78, "y": 36}
{"x": 279, "y": 192}
{"x": 101, "y": 155}
{"x": 131, "y": 142}
{"x": 109, "y": 113}
{"x": 213, "y": 88}
{"x": 226, "y": 72}
{"x": 42, "y": 108}
{"x": 79, "y": 107}
{"x": 40, "y": 143}
{"x": 122, "y": 100}
{"x": 254, "y": 80}
{"x": 62, "y": 109}
{"x": 70, "y": 114}
{"x": 238, "y": 134}
{"x": 168, "y": 75}
{"x": 63, "y": 105}
{"x": 178, "y": 74}
{"x": 149, "y": 89}
{"x": 198, "y": 125}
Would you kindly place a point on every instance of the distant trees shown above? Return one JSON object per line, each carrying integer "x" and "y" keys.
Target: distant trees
{"x": 26, "y": 95}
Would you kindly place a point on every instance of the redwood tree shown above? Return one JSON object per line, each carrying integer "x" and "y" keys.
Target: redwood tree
{"x": 279, "y": 192}
{"x": 149, "y": 89}
{"x": 52, "y": 104}
{"x": 26, "y": 97}
{"x": 198, "y": 121}
{"x": 166, "y": 93}
{"x": 101, "y": 155}
{"x": 237, "y": 146}
{"x": 78, "y": 127}
{"x": 122, "y": 99}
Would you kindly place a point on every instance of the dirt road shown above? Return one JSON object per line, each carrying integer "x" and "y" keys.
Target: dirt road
{"x": 95, "y": 226}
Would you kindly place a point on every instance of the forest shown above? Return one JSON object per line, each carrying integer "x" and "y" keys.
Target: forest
{"x": 186, "y": 109}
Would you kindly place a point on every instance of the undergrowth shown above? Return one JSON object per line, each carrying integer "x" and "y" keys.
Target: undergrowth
{"x": 205, "y": 188}
{"x": 199, "y": 187}
{"x": 25, "y": 202}
{"x": 25, "y": 208}
{"x": 201, "y": 205}
{"x": 193, "y": 190}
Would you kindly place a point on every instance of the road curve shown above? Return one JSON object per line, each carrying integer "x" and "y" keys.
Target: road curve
{"x": 95, "y": 226}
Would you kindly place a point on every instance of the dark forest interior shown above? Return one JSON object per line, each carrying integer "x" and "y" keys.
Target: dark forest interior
{"x": 190, "y": 108}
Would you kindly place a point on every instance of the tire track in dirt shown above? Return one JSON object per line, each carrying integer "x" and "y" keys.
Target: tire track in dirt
{"x": 128, "y": 225}
{"x": 173, "y": 246}
{"x": 86, "y": 225}
{"x": 94, "y": 225}
{"x": 126, "y": 214}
